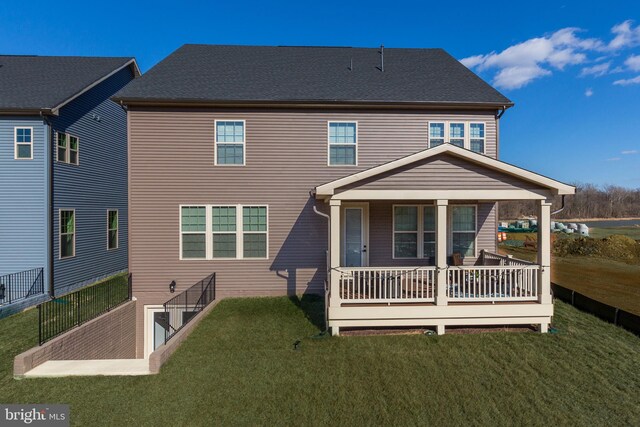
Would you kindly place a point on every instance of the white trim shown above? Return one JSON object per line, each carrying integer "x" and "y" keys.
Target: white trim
{"x": 419, "y": 195}
{"x": 243, "y": 143}
{"x": 132, "y": 61}
{"x": 117, "y": 229}
{"x": 75, "y": 232}
{"x": 557, "y": 187}
{"x": 484, "y": 138}
{"x": 67, "y": 153}
{"x": 148, "y": 327}
{"x": 329, "y": 143}
{"x": 364, "y": 210}
{"x": 466, "y": 129}
{"x": 16, "y": 143}
{"x": 450, "y": 229}
{"x": 209, "y": 231}
{"x": 420, "y": 230}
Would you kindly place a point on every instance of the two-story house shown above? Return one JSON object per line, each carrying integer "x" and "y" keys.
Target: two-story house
{"x": 368, "y": 175}
{"x": 63, "y": 174}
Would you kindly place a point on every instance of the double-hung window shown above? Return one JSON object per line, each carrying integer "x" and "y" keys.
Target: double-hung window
{"x": 463, "y": 230}
{"x": 229, "y": 142}
{"x": 112, "y": 229}
{"x": 67, "y": 233}
{"x": 343, "y": 143}
{"x": 414, "y": 231}
{"x": 67, "y": 148}
{"x": 23, "y": 143}
{"x": 235, "y": 232}
{"x": 469, "y": 135}
{"x": 428, "y": 231}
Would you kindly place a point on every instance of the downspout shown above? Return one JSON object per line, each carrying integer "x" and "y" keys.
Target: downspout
{"x": 50, "y": 227}
{"x": 561, "y": 208}
{"x": 326, "y": 293}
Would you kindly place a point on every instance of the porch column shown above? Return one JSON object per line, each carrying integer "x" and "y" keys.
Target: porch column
{"x": 544, "y": 251}
{"x": 441, "y": 251}
{"x": 334, "y": 257}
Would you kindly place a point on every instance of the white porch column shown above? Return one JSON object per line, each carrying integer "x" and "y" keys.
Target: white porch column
{"x": 544, "y": 251}
{"x": 441, "y": 251}
{"x": 334, "y": 257}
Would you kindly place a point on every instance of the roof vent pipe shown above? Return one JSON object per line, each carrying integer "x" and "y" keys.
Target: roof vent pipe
{"x": 382, "y": 58}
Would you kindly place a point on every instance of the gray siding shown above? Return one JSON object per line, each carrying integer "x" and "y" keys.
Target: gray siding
{"x": 23, "y": 199}
{"x": 444, "y": 172}
{"x": 98, "y": 183}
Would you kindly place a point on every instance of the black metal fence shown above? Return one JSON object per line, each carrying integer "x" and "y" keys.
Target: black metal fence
{"x": 18, "y": 286}
{"x": 604, "y": 311}
{"x": 179, "y": 310}
{"x": 61, "y": 314}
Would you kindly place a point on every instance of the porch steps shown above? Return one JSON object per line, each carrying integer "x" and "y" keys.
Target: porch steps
{"x": 109, "y": 367}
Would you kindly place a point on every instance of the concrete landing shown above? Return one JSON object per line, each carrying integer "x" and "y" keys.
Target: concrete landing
{"x": 111, "y": 367}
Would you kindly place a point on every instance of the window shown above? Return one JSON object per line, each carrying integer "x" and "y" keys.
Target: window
{"x": 67, "y": 148}
{"x": 193, "y": 229}
{"x": 254, "y": 226}
{"x": 436, "y": 134}
{"x": 230, "y": 142}
{"x": 429, "y": 231}
{"x": 23, "y": 143}
{"x": 112, "y": 229}
{"x": 405, "y": 232}
{"x": 224, "y": 231}
{"x": 343, "y": 143}
{"x": 67, "y": 233}
{"x": 476, "y": 134}
{"x": 235, "y": 232}
{"x": 463, "y": 230}
{"x": 461, "y": 134}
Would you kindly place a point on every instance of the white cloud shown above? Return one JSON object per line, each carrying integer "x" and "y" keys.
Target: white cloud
{"x": 588, "y": 92}
{"x": 633, "y": 62}
{"x": 626, "y": 82}
{"x": 629, "y": 152}
{"x": 613, "y": 159}
{"x": 596, "y": 70}
{"x": 625, "y": 35}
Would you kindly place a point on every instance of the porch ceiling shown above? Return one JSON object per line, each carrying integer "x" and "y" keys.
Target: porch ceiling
{"x": 444, "y": 172}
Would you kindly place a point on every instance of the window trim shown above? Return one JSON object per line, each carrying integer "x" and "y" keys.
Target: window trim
{"x": 450, "y": 229}
{"x": 467, "y": 133}
{"x": 329, "y": 143}
{"x": 16, "y": 143}
{"x": 209, "y": 231}
{"x": 75, "y": 232}
{"x": 117, "y": 229}
{"x": 244, "y": 143}
{"x": 68, "y": 150}
{"x": 420, "y": 231}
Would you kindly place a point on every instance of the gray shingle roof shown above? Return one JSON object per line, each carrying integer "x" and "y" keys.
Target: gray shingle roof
{"x": 219, "y": 73}
{"x": 44, "y": 82}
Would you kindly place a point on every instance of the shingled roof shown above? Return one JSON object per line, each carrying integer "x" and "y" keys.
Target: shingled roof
{"x": 41, "y": 83}
{"x": 288, "y": 74}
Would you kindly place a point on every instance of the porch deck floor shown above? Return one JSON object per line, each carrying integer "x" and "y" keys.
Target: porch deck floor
{"x": 110, "y": 367}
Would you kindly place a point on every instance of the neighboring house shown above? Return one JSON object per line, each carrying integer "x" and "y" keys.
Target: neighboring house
{"x": 233, "y": 148}
{"x": 63, "y": 174}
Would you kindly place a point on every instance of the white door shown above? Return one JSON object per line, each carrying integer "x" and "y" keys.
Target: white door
{"x": 354, "y": 236}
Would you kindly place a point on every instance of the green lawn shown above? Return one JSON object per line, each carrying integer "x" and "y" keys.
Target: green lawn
{"x": 239, "y": 368}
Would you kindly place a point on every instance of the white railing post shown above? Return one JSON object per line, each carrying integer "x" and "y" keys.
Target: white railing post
{"x": 334, "y": 255}
{"x": 441, "y": 252}
{"x": 544, "y": 251}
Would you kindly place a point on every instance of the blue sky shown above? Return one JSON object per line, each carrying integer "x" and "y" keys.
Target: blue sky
{"x": 558, "y": 61}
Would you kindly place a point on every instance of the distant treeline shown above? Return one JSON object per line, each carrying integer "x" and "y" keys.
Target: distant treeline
{"x": 590, "y": 201}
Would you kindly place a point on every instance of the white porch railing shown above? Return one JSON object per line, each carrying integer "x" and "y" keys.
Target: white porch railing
{"x": 490, "y": 258}
{"x": 387, "y": 284}
{"x": 493, "y": 283}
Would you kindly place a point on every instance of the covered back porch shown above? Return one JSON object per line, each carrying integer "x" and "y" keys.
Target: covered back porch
{"x": 407, "y": 249}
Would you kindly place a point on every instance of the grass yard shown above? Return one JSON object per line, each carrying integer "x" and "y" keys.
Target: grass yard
{"x": 239, "y": 368}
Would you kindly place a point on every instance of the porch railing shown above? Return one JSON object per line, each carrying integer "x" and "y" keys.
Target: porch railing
{"x": 490, "y": 258}
{"x": 388, "y": 284}
{"x": 18, "y": 286}
{"x": 492, "y": 283}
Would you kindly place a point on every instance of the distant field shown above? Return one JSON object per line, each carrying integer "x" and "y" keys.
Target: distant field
{"x": 598, "y": 233}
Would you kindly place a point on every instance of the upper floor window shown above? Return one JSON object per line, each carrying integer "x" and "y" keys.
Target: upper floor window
{"x": 67, "y": 236}
{"x": 343, "y": 143}
{"x": 112, "y": 229}
{"x": 230, "y": 142}
{"x": 68, "y": 146}
{"x": 23, "y": 142}
{"x": 461, "y": 134}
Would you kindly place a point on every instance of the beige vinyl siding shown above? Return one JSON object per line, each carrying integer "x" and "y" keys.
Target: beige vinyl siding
{"x": 443, "y": 172}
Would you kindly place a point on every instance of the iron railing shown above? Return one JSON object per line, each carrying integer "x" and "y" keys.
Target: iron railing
{"x": 179, "y": 310}
{"x": 61, "y": 314}
{"x": 18, "y": 286}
